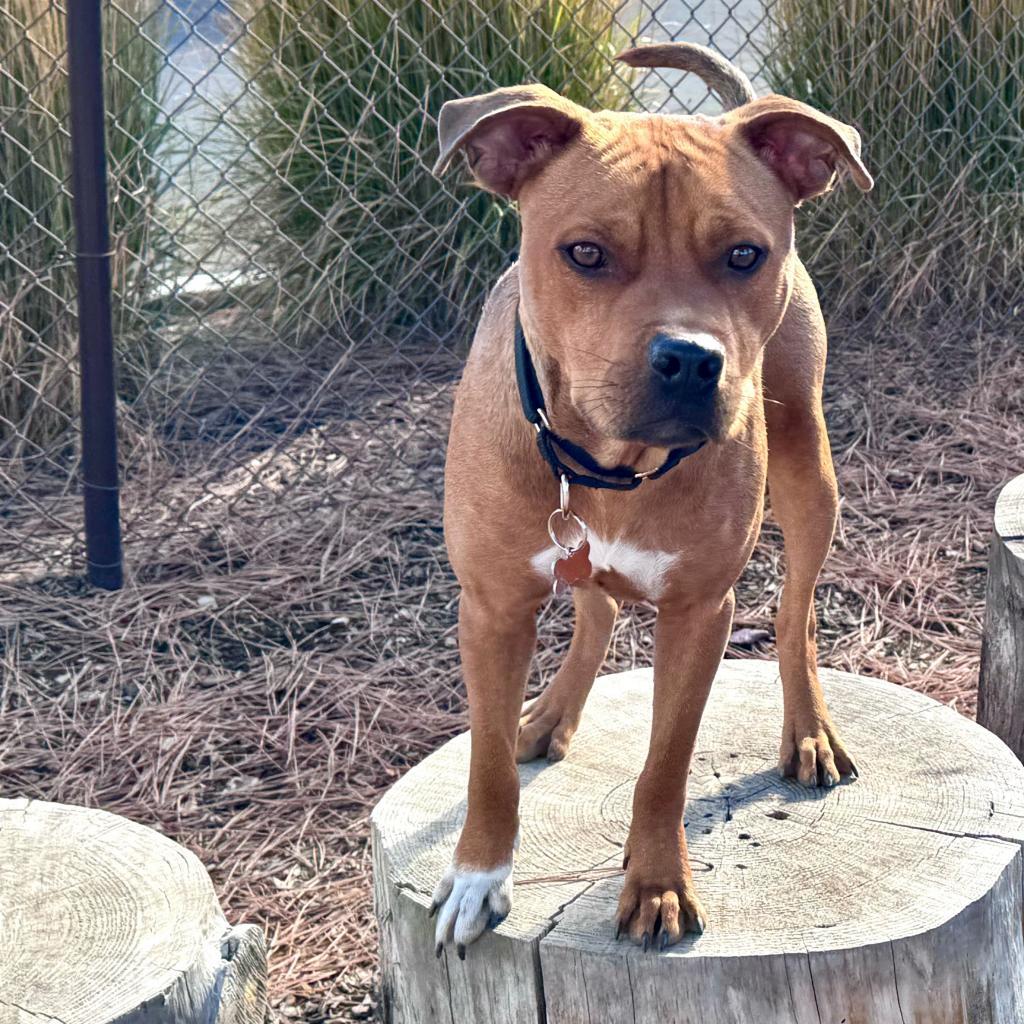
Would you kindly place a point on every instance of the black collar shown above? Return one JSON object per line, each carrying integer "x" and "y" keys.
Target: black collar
{"x": 616, "y": 478}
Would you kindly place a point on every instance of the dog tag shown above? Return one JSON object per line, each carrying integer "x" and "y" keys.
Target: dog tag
{"x": 572, "y": 569}
{"x": 569, "y": 535}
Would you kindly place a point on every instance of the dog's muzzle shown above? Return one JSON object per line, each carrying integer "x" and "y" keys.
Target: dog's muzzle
{"x": 682, "y": 389}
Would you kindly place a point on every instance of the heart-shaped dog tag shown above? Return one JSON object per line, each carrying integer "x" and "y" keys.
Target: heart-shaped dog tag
{"x": 571, "y": 570}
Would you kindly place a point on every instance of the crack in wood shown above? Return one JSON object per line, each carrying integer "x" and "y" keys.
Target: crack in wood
{"x": 952, "y": 835}
{"x": 814, "y": 991}
{"x": 896, "y": 983}
{"x": 38, "y": 1014}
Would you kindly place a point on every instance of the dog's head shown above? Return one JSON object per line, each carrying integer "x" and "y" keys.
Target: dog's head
{"x": 657, "y": 251}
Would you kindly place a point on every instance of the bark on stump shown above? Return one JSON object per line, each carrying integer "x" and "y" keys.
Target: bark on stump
{"x": 1001, "y": 686}
{"x": 893, "y": 899}
{"x": 102, "y": 920}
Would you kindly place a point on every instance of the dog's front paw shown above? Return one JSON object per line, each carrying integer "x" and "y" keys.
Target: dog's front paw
{"x": 813, "y": 754}
{"x": 546, "y": 727}
{"x": 468, "y": 901}
{"x": 658, "y": 904}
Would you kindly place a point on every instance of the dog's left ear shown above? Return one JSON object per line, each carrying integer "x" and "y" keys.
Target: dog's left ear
{"x": 804, "y": 147}
{"x": 507, "y": 134}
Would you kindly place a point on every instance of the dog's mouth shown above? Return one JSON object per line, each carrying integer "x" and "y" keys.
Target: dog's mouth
{"x": 657, "y": 419}
{"x": 667, "y": 433}
{"x": 673, "y": 425}
{"x": 653, "y": 421}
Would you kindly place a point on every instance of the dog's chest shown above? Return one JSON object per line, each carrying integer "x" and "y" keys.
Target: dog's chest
{"x": 619, "y": 565}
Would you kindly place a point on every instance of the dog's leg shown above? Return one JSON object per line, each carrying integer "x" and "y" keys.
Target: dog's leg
{"x": 496, "y": 641}
{"x": 804, "y": 497}
{"x": 548, "y": 724}
{"x": 658, "y": 901}
{"x": 804, "y": 501}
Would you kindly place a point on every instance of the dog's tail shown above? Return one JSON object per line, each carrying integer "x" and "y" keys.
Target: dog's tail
{"x": 721, "y": 76}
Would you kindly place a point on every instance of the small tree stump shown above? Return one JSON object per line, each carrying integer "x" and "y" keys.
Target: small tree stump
{"x": 102, "y": 920}
{"x": 1001, "y": 685}
{"x": 894, "y": 898}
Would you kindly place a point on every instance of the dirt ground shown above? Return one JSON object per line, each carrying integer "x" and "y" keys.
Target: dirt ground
{"x": 271, "y": 667}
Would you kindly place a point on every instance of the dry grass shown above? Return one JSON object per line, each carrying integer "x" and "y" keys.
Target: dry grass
{"x": 38, "y": 338}
{"x": 935, "y": 88}
{"x": 264, "y": 676}
{"x": 344, "y": 203}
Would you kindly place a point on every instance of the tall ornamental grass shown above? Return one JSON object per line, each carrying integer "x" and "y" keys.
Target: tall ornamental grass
{"x": 356, "y": 230}
{"x": 936, "y": 88}
{"x": 38, "y": 339}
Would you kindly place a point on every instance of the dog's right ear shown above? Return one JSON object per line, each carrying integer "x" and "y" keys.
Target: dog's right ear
{"x": 507, "y": 135}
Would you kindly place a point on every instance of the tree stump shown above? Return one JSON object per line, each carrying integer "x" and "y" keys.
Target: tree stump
{"x": 891, "y": 899}
{"x": 102, "y": 920}
{"x": 1001, "y": 685}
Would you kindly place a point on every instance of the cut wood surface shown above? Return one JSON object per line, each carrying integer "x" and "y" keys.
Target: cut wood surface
{"x": 103, "y": 920}
{"x": 892, "y": 899}
{"x": 1001, "y": 685}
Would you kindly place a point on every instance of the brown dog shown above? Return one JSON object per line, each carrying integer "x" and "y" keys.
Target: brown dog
{"x": 663, "y": 308}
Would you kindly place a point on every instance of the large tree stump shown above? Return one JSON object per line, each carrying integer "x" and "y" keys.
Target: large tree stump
{"x": 102, "y": 920}
{"x": 1001, "y": 685}
{"x": 893, "y": 899}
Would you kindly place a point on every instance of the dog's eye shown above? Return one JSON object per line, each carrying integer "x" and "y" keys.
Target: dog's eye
{"x": 587, "y": 255}
{"x": 744, "y": 257}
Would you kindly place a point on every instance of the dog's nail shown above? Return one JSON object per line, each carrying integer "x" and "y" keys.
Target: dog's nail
{"x": 433, "y": 909}
{"x": 699, "y": 924}
{"x": 664, "y": 941}
{"x": 461, "y": 950}
{"x": 854, "y": 770}
{"x": 495, "y": 919}
{"x": 647, "y": 940}
{"x": 438, "y": 950}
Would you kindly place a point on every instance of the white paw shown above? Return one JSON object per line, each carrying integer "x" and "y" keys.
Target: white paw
{"x": 467, "y": 902}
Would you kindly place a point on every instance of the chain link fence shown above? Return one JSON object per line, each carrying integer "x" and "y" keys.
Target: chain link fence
{"x": 294, "y": 291}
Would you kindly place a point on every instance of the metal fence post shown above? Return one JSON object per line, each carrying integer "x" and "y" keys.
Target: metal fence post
{"x": 95, "y": 332}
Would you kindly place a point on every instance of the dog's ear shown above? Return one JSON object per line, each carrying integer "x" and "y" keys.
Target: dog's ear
{"x": 508, "y": 134}
{"x": 804, "y": 147}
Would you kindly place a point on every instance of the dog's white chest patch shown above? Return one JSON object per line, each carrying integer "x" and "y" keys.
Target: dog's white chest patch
{"x": 645, "y": 570}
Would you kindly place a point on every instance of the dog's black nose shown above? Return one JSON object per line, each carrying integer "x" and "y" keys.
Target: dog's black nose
{"x": 685, "y": 365}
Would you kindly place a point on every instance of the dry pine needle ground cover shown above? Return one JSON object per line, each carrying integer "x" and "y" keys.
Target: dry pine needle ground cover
{"x": 263, "y": 677}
